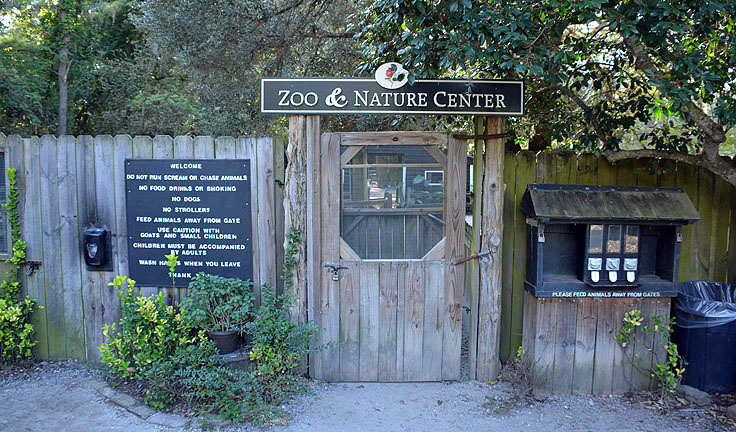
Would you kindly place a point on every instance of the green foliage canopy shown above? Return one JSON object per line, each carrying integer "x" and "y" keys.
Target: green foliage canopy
{"x": 225, "y": 47}
{"x": 116, "y": 84}
{"x": 34, "y": 31}
{"x": 595, "y": 69}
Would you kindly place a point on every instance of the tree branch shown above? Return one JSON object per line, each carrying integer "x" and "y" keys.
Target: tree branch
{"x": 712, "y": 130}
{"x": 619, "y": 155}
{"x": 720, "y": 166}
{"x": 581, "y": 103}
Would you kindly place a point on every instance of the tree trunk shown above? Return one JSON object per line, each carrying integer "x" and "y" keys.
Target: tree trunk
{"x": 63, "y": 71}
{"x": 491, "y": 236}
{"x": 295, "y": 208}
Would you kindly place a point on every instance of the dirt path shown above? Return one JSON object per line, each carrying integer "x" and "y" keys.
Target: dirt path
{"x": 62, "y": 397}
{"x": 469, "y": 406}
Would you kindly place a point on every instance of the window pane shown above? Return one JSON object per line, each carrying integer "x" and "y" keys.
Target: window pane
{"x": 631, "y": 240}
{"x": 595, "y": 239}
{"x": 392, "y": 202}
{"x": 614, "y": 239}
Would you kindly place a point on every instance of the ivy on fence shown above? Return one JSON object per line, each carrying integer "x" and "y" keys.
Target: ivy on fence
{"x": 16, "y": 327}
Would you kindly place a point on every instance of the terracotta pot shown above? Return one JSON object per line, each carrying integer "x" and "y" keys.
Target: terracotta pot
{"x": 226, "y": 341}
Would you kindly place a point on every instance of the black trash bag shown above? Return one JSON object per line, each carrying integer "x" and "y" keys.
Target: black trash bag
{"x": 701, "y": 304}
{"x": 705, "y": 334}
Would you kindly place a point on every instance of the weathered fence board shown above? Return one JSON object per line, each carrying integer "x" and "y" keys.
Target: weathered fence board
{"x": 32, "y": 234}
{"x": 585, "y": 330}
{"x": 87, "y": 211}
{"x": 330, "y": 295}
{"x": 51, "y": 241}
{"x": 349, "y": 325}
{"x": 108, "y": 309}
{"x": 413, "y": 323}
{"x": 69, "y": 234}
{"x": 524, "y": 174}
{"x": 369, "y": 310}
{"x": 449, "y": 320}
{"x": 72, "y": 183}
{"x": 433, "y": 323}
{"x": 565, "y": 340}
{"x": 401, "y": 278}
{"x": 387, "y": 348}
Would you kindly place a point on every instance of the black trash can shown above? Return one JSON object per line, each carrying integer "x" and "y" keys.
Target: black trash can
{"x": 705, "y": 334}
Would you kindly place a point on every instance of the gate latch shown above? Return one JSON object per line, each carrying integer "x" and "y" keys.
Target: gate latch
{"x": 335, "y": 270}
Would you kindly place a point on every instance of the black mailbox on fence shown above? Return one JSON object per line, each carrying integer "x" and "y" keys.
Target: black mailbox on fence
{"x": 97, "y": 249}
{"x": 604, "y": 241}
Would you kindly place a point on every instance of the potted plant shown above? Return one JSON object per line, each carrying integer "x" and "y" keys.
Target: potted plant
{"x": 221, "y": 306}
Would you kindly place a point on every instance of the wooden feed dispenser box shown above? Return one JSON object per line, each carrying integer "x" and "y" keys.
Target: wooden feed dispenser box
{"x": 593, "y": 254}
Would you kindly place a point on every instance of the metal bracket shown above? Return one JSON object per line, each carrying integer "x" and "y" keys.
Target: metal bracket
{"x": 32, "y": 266}
{"x": 334, "y": 269}
{"x": 471, "y": 257}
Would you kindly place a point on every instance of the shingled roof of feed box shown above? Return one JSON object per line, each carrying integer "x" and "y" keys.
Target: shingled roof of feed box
{"x": 556, "y": 203}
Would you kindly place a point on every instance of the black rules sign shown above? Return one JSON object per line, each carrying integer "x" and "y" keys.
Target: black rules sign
{"x": 199, "y": 210}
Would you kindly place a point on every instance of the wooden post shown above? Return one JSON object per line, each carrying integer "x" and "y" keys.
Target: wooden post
{"x": 473, "y": 274}
{"x": 304, "y": 135}
{"x": 491, "y": 232}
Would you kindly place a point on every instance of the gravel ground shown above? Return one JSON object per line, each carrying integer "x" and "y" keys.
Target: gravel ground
{"x": 475, "y": 406}
{"x": 59, "y": 396}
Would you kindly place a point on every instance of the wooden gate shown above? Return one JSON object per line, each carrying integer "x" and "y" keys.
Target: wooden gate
{"x": 388, "y": 210}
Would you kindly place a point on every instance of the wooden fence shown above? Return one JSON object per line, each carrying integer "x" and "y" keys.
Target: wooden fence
{"x": 68, "y": 184}
{"x": 708, "y": 250}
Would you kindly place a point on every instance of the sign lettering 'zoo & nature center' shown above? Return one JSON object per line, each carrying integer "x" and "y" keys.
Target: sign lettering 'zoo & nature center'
{"x": 391, "y": 93}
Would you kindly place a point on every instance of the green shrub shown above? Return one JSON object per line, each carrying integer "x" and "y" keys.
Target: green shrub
{"x": 149, "y": 330}
{"x": 16, "y": 330}
{"x": 278, "y": 344}
{"x": 216, "y": 303}
{"x": 170, "y": 376}
{"x": 155, "y": 343}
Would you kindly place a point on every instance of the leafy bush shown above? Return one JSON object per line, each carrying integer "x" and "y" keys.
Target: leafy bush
{"x": 278, "y": 344}
{"x": 157, "y": 344}
{"x": 16, "y": 331}
{"x": 149, "y": 330}
{"x": 170, "y": 376}
{"x": 216, "y": 303}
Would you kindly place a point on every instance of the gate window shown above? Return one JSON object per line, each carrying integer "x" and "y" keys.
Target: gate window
{"x": 392, "y": 202}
